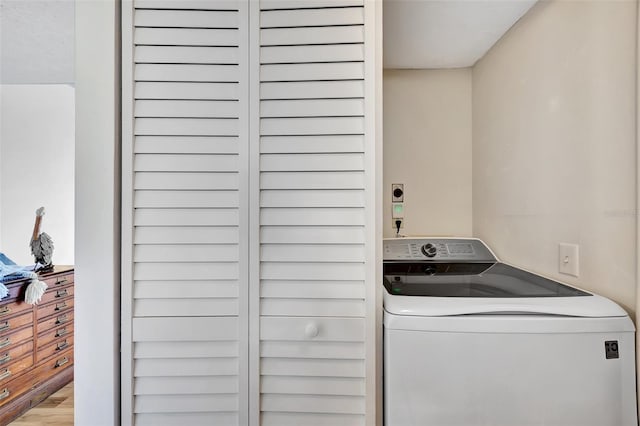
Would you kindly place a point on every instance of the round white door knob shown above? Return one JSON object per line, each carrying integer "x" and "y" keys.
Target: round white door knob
{"x": 311, "y": 330}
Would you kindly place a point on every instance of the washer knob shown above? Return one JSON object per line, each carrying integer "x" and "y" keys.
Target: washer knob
{"x": 429, "y": 250}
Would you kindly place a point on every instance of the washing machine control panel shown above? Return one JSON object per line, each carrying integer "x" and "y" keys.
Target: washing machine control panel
{"x": 449, "y": 249}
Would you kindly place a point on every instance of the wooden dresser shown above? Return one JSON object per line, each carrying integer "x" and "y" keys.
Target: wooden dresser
{"x": 36, "y": 343}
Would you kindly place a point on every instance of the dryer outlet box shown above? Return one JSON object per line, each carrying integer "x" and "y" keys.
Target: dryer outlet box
{"x": 568, "y": 259}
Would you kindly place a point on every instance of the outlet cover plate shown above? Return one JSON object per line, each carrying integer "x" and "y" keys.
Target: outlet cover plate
{"x": 569, "y": 259}
{"x": 394, "y": 187}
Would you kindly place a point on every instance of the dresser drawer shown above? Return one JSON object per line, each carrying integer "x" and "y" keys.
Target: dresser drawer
{"x": 54, "y": 349}
{"x": 9, "y": 325}
{"x": 10, "y": 355}
{"x": 53, "y": 335}
{"x": 55, "y": 321}
{"x": 54, "y": 365}
{"x": 56, "y": 307}
{"x": 16, "y": 290}
{"x": 56, "y": 294}
{"x": 9, "y": 372}
{"x": 13, "y": 308}
{"x": 16, "y": 338}
{"x": 59, "y": 281}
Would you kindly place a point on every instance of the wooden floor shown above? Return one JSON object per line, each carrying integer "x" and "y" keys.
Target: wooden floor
{"x": 57, "y": 410}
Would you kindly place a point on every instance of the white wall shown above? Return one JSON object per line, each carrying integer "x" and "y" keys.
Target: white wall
{"x": 36, "y": 41}
{"x": 427, "y": 147}
{"x": 554, "y": 143}
{"x": 97, "y": 308}
{"x": 36, "y": 168}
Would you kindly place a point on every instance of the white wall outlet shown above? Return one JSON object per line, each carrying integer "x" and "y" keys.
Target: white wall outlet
{"x": 397, "y": 192}
{"x": 569, "y": 259}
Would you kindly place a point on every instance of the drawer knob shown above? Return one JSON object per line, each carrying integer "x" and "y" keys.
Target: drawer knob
{"x": 311, "y": 330}
{"x": 61, "y": 281}
{"x": 4, "y": 394}
{"x": 5, "y": 310}
{"x": 5, "y": 342}
{"x": 61, "y": 332}
{"x": 5, "y": 326}
{"x": 60, "y": 306}
{"x": 62, "y": 293}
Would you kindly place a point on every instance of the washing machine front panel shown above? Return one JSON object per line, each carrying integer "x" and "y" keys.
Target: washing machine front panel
{"x": 507, "y": 379}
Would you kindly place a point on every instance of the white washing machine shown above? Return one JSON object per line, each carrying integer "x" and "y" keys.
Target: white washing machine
{"x": 469, "y": 340}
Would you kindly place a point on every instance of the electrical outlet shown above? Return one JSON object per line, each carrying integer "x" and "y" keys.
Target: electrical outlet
{"x": 569, "y": 259}
{"x": 397, "y": 192}
{"x": 393, "y": 223}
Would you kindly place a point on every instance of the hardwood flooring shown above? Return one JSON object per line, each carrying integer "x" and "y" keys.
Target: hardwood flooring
{"x": 57, "y": 410}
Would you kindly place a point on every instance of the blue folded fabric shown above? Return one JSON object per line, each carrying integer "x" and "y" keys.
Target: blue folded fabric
{"x": 10, "y": 271}
{"x": 4, "y": 259}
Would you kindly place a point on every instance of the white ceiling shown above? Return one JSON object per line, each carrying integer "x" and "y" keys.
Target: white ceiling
{"x": 445, "y": 33}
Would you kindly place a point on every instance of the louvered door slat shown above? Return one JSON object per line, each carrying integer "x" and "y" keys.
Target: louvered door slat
{"x": 214, "y": 234}
{"x": 186, "y": 37}
{"x": 186, "y": 18}
{"x": 311, "y": 419}
{"x": 186, "y": 181}
{"x": 312, "y": 108}
{"x": 311, "y": 54}
{"x": 188, "y": 4}
{"x": 307, "y": 71}
{"x": 329, "y": 16}
{"x": 312, "y": 144}
{"x": 312, "y": 89}
{"x": 181, "y": 90}
{"x": 312, "y": 234}
{"x": 186, "y": 55}
{"x": 189, "y": 108}
{"x": 163, "y": 144}
{"x": 312, "y": 180}
{"x": 197, "y": 109}
{"x": 311, "y": 35}
{"x": 189, "y": 72}
{"x": 297, "y": 4}
{"x": 191, "y": 418}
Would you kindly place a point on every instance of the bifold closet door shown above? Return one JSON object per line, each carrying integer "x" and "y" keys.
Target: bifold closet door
{"x": 315, "y": 200}
{"x": 185, "y": 214}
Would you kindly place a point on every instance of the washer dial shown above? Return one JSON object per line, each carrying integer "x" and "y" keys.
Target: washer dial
{"x": 429, "y": 250}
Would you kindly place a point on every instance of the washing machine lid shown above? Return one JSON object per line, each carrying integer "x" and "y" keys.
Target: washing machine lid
{"x": 446, "y": 289}
{"x": 472, "y": 280}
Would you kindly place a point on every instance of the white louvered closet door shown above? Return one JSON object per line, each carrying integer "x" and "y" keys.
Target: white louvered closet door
{"x": 249, "y": 212}
{"x": 314, "y": 227}
{"x": 185, "y": 214}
